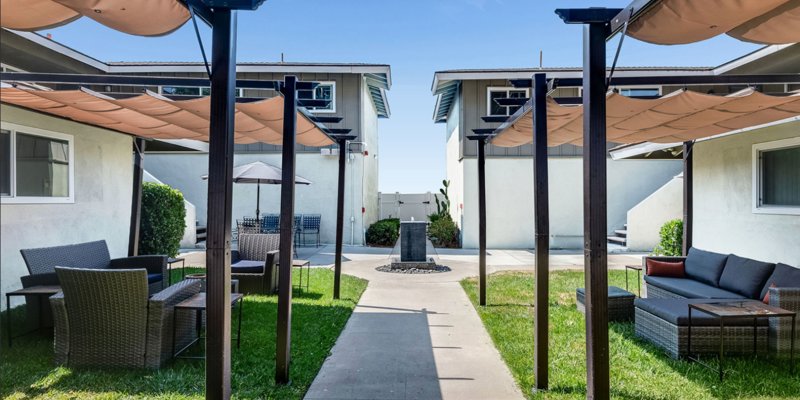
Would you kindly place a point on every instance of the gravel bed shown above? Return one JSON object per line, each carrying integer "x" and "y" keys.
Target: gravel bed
{"x": 435, "y": 270}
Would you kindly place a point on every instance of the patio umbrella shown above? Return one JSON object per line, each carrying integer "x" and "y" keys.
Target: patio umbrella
{"x": 258, "y": 173}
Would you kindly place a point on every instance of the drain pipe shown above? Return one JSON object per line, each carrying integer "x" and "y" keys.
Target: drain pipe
{"x": 351, "y": 160}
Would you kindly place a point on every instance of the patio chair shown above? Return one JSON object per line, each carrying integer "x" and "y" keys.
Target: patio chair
{"x": 297, "y": 227}
{"x": 271, "y": 223}
{"x": 104, "y": 318}
{"x": 255, "y": 263}
{"x": 311, "y": 226}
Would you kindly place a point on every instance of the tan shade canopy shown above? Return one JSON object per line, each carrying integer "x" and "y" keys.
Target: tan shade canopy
{"x": 137, "y": 17}
{"x": 680, "y": 116}
{"x": 688, "y": 21}
{"x": 153, "y": 116}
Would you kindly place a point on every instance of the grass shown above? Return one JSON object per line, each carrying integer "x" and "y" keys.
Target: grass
{"x": 638, "y": 369}
{"x": 317, "y": 320}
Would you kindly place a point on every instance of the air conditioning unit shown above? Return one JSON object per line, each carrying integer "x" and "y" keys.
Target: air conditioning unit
{"x": 329, "y": 152}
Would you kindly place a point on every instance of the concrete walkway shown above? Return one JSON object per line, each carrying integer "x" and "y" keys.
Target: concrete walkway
{"x": 413, "y": 337}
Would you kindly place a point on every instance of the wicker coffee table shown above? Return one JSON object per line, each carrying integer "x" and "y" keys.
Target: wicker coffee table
{"x": 620, "y": 303}
{"x": 744, "y": 309}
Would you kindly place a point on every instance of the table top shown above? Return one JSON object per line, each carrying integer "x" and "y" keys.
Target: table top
{"x": 198, "y": 301}
{"x": 636, "y": 267}
{"x": 300, "y": 263}
{"x": 174, "y": 260}
{"x": 51, "y": 290}
{"x": 743, "y": 308}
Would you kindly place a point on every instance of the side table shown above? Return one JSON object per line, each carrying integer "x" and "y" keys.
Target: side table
{"x": 638, "y": 269}
{"x": 181, "y": 260}
{"x": 300, "y": 264}
{"x": 198, "y": 304}
{"x": 43, "y": 292}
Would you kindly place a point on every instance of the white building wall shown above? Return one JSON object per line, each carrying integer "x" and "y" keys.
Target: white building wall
{"x": 455, "y": 174}
{"x": 509, "y": 198}
{"x": 183, "y": 172}
{"x": 646, "y": 218}
{"x": 723, "y": 202}
{"x": 103, "y": 178}
{"x": 369, "y": 129}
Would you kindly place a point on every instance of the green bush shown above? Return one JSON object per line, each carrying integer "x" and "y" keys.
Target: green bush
{"x": 671, "y": 243}
{"x": 163, "y": 220}
{"x": 384, "y": 232}
{"x": 443, "y": 232}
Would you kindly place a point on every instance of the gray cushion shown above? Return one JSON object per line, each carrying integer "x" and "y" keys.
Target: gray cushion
{"x": 690, "y": 288}
{"x": 705, "y": 266}
{"x": 247, "y": 267}
{"x": 745, "y": 276}
{"x": 783, "y": 276}
{"x": 676, "y": 312}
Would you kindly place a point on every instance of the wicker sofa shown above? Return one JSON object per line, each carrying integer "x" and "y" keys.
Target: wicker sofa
{"x": 255, "y": 263}
{"x": 662, "y": 317}
{"x": 105, "y": 318}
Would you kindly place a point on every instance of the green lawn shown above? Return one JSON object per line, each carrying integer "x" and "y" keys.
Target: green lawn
{"x": 317, "y": 320}
{"x": 638, "y": 370}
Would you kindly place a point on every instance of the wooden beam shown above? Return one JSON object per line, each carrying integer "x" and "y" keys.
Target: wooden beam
{"x": 688, "y": 196}
{"x": 594, "y": 209}
{"x": 220, "y": 184}
{"x": 284, "y": 334}
{"x": 136, "y": 198}
{"x": 482, "y": 218}
{"x": 337, "y": 269}
{"x": 542, "y": 232}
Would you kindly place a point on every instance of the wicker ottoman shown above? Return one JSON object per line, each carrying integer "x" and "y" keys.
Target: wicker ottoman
{"x": 620, "y": 303}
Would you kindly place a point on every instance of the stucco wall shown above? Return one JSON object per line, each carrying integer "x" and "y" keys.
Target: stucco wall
{"x": 369, "y": 129}
{"x": 723, "y": 216}
{"x": 509, "y": 198}
{"x": 646, "y": 218}
{"x": 455, "y": 174}
{"x": 183, "y": 172}
{"x": 103, "y": 176}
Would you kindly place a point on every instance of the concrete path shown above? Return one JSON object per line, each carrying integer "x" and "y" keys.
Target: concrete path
{"x": 413, "y": 337}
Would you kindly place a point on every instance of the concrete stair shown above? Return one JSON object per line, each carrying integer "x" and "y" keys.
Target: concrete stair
{"x": 620, "y": 236}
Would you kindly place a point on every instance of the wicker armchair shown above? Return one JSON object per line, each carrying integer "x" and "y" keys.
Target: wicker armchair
{"x": 104, "y": 318}
{"x": 255, "y": 263}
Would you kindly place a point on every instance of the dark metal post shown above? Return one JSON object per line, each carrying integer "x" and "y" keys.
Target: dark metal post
{"x": 284, "y": 336}
{"x": 220, "y": 182}
{"x": 688, "y": 196}
{"x": 594, "y": 209}
{"x": 337, "y": 270}
{"x": 136, "y": 201}
{"x": 482, "y": 218}
{"x": 542, "y": 232}
{"x": 258, "y": 198}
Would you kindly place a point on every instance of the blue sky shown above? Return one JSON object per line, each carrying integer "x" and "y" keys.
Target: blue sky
{"x": 416, "y": 37}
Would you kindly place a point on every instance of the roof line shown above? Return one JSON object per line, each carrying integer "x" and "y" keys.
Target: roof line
{"x": 750, "y": 57}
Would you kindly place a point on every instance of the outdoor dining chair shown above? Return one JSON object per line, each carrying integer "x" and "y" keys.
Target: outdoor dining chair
{"x": 271, "y": 223}
{"x": 311, "y": 226}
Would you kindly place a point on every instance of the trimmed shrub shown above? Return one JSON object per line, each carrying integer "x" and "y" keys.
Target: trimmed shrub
{"x": 163, "y": 220}
{"x": 384, "y": 232}
{"x": 671, "y": 243}
{"x": 443, "y": 232}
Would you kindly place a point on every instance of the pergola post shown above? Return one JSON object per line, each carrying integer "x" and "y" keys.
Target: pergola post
{"x": 337, "y": 270}
{"x": 284, "y": 334}
{"x": 688, "y": 196}
{"x": 482, "y": 218}
{"x": 136, "y": 198}
{"x": 542, "y": 232}
{"x": 594, "y": 209}
{"x": 220, "y": 170}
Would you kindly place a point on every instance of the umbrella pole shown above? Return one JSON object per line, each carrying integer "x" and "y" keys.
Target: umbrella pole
{"x": 258, "y": 198}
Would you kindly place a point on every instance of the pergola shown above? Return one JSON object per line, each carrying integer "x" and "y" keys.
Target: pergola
{"x": 683, "y": 116}
{"x": 218, "y": 119}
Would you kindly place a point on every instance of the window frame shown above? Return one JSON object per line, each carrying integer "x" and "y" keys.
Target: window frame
{"x": 506, "y": 89}
{"x": 27, "y": 130}
{"x": 332, "y": 110}
{"x": 758, "y": 164}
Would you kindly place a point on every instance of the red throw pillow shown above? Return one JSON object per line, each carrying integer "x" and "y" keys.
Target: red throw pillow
{"x": 666, "y": 268}
{"x": 766, "y": 296}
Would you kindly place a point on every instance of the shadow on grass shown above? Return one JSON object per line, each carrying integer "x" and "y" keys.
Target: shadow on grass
{"x": 28, "y": 370}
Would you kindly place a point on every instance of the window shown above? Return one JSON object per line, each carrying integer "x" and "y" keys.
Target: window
{"x": 632, "y": 91}
{"x": 494, "y": 109}
{"x": 776, "y": 177}
{"x": 191, "y": 91}
{"x": 35, "y": 166}
{"x": 323, "y": 91}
